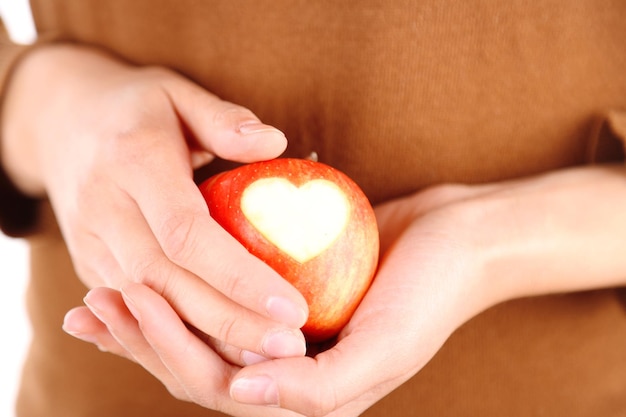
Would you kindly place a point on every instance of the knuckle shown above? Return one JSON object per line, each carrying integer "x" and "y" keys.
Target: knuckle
{"x": 320, "y": 401}
{"x": 231, "y": 283}
{"x": 143, "y": 121}
{"x": 230, "y": 275}
{"x": 442, "y": 193}
{"x": 227, "y": 119}
{"x": 228, "y": 114}
{"x": 155, "y": 73}
{"x": 325, "y": 404}
{"x": 127, "y": 146}
{"x": 150, "y": 82}
{"x": 87, "y": 274}
{"x": 227, "y": 329}
{"x": 176, "y": 235}
{"x": 177, "y": 392}
{"x": 148, "y": 270}
{"x": 117, "y": 150}
{"x": 92, "y": 262}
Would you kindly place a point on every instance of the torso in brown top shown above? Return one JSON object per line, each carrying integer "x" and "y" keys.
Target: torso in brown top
{"x": 400, "y": 95}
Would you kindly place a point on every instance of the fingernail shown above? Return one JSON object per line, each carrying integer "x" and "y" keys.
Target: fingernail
{"x": 253, "y": 126}
{"x": 85, "y": 337}
{"x": 130, "y": 304}
{"x": 71, "y": 327}
{"x": 251, "y": 358}
{"x": 284, "y": 344}
{"x": 94, "y": 308}
{"x": 285, "y": 311}
{"x": 89, "y": 338}
{"x": 255, "y": 390}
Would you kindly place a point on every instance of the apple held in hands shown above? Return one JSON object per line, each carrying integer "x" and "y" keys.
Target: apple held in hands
{"x": 311, "y": 224}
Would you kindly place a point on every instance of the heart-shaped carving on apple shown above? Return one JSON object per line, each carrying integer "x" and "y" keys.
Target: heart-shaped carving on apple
{"x": 308, "y": 221}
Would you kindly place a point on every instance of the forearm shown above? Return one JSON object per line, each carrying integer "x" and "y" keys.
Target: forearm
{"x": 560, "y": 232}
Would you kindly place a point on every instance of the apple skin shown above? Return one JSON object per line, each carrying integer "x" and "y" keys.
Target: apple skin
{"x": 333, "y": 282}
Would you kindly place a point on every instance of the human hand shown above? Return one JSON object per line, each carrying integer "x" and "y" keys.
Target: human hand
{"x": 155, "y": 337}
{"x": 113, "y": 147}
{"x": 426, "y": 287}
{"x": 448, "y": 253}
{"x": 338, "y": 374}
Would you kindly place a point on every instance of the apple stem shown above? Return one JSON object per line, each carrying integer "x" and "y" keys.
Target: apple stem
{"x": 312, "y": 157}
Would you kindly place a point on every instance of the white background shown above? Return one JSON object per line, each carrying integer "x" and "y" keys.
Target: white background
{"x": 14, "y": 327}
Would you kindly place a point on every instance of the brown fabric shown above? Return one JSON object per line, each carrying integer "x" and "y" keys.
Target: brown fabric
{"x": 400, "y": 95}
{"x": 18, "y": 213}
{"x": 607, "y": 145}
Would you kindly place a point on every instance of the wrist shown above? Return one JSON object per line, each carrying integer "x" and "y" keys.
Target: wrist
{"x": 36, "y": 107}
{"x": 17, "y": 146}
{"x": 559, "y": 232}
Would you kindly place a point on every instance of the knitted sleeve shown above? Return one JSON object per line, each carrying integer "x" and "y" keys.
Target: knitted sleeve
{"x": 18, "y": 212}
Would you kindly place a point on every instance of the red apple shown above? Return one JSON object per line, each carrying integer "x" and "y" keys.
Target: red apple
{"x": 310, "y": 223}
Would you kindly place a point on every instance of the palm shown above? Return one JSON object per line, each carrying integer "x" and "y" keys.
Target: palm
{"x": 418, "y": 298}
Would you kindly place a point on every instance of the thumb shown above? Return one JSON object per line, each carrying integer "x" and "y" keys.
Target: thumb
{"x": 222, "y": 128}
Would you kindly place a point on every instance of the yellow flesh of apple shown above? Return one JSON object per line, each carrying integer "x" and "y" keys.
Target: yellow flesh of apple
{"x": 301, "y": 221}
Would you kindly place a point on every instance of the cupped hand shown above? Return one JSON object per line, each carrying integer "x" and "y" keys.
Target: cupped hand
{"x": 113, "y": 147}
{"x": 426, "y": 287}
{"x": 449, "y": 253}
{"x": 423, "y": 291}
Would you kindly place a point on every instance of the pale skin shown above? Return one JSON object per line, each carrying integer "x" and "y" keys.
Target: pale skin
{"x": 448, "y": 252}
{"x": 109, "y": 150}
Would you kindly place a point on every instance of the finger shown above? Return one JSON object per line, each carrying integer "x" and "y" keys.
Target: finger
{"x": 205, "y": 376}
{"x": 178, "y": 217}
{"x": 81, "y": 323}
{"x": 228, "y": 130}
{"x": 108, "y": 307}
{"x": 365, "y": 364}
{"x": 352, "y": 375}
{"x": 202, "y": 373}
{"x": 312, "y": 386}
{"x": 199, "y": 304}
{"x": 99, "y": 267}
{"x": 88, "y": 324}
{"x": 231, "y": 354}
